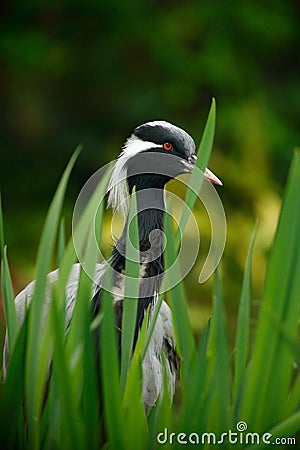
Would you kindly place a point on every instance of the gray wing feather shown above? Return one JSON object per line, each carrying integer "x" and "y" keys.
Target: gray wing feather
{"x": 161, "y": 344}
{"x": 153, "y": 362}
{"x": 23, "y": 299}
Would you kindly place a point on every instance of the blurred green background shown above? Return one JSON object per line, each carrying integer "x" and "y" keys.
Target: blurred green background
{"x": 89, "y": 72}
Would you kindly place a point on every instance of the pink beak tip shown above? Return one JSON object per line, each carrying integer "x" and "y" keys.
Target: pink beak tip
{"x": 210, "y": 176}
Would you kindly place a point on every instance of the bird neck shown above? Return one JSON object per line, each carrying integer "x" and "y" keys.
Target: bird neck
{"x": 150, "y": 202}
{"x": 151, "y": 208}
{"x": 150, "y": 211}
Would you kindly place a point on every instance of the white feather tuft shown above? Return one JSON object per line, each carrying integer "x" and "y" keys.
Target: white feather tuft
{"x": 117, "y": 187}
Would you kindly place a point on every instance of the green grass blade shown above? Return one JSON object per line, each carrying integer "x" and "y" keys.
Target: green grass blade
{"x": 134, "y": 412}
{"x": 35, "y": 312}
{"x": 12, "y": 396}
{"x": 243, "y": 323}
{"x": 81, "y": 339}
{"x": 183, "y": 332}
{"x": 206, "y": 143}
{"x": 80, "y": 342}
{"x": 161, "y": 416}
{"x": 90, "y": 395}
{"x": 111, "y": 387}
{"x": 132, "y": 271}
{"x": 293, "y": 400}
{"x": 61, "y": 246}
{"x": 2, "y": 240}
{"x": 86, "y": 282}
{"x": 194, "y": 399}
{"x": 282, "y": 374}
{"x": 90, "y": 392}
{"x": 52, "y": 417}
{"x": 133, "y": 407}
{"x": 196, "y": 179}
{"x": 287, "y": 428}
{"x": 77, "y": 244}
{"x": 73, "y": 437}
{"x": 271, "y": 365}
{"x": 12, "y": 324}
{"x": 218, "y": 376}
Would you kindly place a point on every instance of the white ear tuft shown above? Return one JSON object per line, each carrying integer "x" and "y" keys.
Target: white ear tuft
{"x": 117, "y": 187}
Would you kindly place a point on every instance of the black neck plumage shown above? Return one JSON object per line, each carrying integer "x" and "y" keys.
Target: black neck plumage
{"x": 151, "y": 208}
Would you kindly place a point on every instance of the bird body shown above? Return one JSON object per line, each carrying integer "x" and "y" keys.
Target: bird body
{"x": 155, "y": 153}
{"x": 152, "y": 368}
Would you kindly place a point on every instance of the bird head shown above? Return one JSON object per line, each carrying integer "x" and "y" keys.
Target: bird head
{"x": 155, "y": 153}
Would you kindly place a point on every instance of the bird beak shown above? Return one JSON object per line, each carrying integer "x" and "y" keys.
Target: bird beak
{"x": 207, "y": 173}
{"x": 212, "y": 177}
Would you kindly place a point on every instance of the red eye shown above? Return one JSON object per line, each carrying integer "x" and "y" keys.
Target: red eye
{"x": 168, "y": 146}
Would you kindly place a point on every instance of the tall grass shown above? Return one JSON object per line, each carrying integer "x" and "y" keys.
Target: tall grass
{"x": 258, "y": 384}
